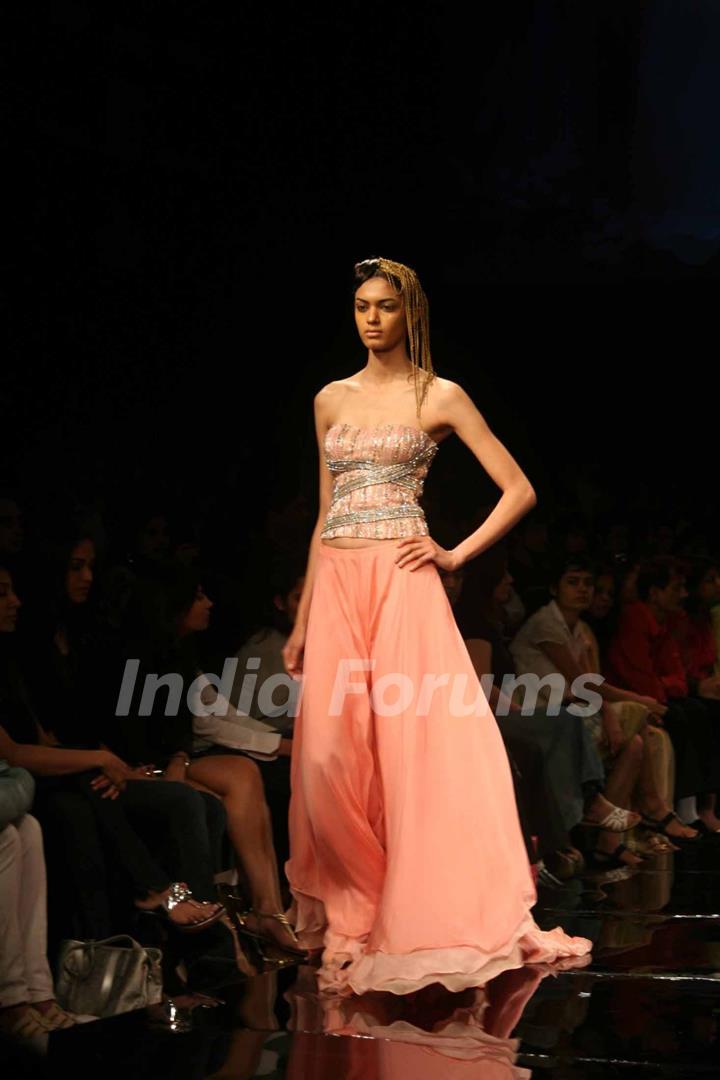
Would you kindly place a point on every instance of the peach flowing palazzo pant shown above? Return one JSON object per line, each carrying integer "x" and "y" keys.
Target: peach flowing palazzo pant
{"x": 407, "y": 863}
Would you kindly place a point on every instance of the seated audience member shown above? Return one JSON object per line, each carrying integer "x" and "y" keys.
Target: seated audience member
{"x": 164, "y": 616}
{"x": 263, "y": 691}
{"x": 28, "y": 1009}
{"x": 68, "y": 652}
{"x": 63, "y": 643}
{"x": 261, "y": 656}
{"x": 575, "y": 772}
{"x": 601, "y": 616}
{"x": 555, "y": 640}
{"x": 645, "y": 656}
{"x": 93, "y": 806}
{"x": 657, "y": 776}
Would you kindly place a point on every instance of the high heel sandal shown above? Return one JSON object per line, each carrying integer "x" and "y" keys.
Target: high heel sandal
{"x": 178, "y": 894}
{"x": 242, "y": 917}
{"x": 660, "y": 826}
{"x": 250, "y": 962}
{"x": 236, "y": 905}
{"x": 618, "y": 820}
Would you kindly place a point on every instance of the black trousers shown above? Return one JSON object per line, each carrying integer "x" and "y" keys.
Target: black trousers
{"x": 693, "y": 725}
{"x": 537, "y": 807}
{"x": 102, "y": 852}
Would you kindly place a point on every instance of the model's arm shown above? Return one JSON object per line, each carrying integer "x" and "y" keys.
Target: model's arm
{"x": 293, "y": 646}
{"x": 518, "y": 495}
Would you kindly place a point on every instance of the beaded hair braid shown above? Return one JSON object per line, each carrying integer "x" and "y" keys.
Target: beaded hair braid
{"x": 417, "y": 317}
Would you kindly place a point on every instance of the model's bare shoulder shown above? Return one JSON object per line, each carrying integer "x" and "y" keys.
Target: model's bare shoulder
{"x": 325, "y": 403}
{"x": 453, "y": 396}
{"x": 444, "y": 398}
{"x": 455, "y": 408}
{"x": 332, "y": 394}
{"x": 441, "y": 388}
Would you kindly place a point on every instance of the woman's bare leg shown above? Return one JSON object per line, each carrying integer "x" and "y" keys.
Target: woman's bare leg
{"x": 649, "y": 799}
{"x": 237, "y": 779}
{"x": 622, "y": 779}
{"x": 619, "y": 789}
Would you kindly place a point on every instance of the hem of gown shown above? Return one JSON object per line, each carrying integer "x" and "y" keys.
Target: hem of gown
{"x": 456, "y": 967}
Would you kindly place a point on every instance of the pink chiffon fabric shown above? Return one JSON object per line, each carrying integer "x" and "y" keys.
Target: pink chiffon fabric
{"x": 406, "y": 854}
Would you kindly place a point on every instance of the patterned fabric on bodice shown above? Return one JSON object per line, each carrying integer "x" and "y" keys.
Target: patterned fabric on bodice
{"x": 379, "y": 474}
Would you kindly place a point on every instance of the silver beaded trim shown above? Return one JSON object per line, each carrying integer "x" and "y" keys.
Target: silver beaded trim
{"x": 378, "y": 513}
{"x": 401, "y": 474}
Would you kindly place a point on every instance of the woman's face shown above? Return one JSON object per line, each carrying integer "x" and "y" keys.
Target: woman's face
{"x": 9, "y": 604}
{"x": 380, "y": 315}
{"x": 670, "y": 597}
{"x": 197, "y": 617}
{"x": 79, "y": 575}
{"x": 603, "y": 597}
{"x": 503, "y": 590}
{"x": 574, "y": 590}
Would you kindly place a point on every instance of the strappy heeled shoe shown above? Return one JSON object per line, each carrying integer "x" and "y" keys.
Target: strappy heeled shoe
{"x": 178, "y": 893}
{"x": 618, "y": 820}
{"x": 661, "y": 826}
{"x": 242, "y": 919}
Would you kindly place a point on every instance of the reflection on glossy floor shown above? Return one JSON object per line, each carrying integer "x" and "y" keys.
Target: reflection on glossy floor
{"x": 646, "y": 1006}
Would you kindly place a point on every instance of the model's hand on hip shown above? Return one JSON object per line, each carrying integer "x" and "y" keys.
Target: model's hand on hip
{"x": 413, "y": 551}
{"x": 292, "y": 652}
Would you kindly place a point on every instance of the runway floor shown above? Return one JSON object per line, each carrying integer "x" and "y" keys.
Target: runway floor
{"x": 646, "y": 1006}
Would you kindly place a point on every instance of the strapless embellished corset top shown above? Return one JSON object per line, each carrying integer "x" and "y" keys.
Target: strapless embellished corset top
{"x": 379, "y": 474}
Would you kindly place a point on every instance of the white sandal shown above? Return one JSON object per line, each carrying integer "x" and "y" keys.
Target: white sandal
{"x": 618, "y": 820}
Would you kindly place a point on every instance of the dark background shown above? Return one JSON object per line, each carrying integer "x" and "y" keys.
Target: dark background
{"x": 190, "y": 190}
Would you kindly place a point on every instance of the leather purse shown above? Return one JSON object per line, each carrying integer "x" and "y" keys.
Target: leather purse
{"x": 108, "y": 977}
{"x": 17, "y": 789}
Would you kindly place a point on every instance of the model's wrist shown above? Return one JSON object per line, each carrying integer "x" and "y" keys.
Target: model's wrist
{"x": 457, "y": 558}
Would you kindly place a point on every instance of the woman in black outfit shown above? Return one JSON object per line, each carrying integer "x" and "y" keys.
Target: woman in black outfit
{"x": 164, "y": 612}
{"x": 96, "y": 812}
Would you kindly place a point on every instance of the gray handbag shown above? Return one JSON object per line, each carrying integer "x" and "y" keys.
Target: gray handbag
{"x": 105, "y": 978}
{"x": 17, "y": 788}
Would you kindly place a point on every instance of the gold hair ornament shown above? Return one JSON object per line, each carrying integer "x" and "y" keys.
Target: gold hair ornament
{"x": 417, "y": 317}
